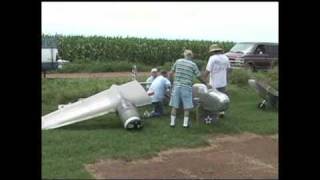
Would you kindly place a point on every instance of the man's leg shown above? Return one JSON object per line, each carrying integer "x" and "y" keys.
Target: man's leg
{"x": 187, "y": 104}
{"x": 186, "y": 118}
{"x": 173, "y": 117}
{"x": 160, "y": 107}
{"x": 156, "y": 112}
{"x": 174, "y": 103}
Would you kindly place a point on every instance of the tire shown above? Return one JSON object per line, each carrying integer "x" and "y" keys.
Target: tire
{"x": 252, "y": 68}
{"x": 274, "y": 63}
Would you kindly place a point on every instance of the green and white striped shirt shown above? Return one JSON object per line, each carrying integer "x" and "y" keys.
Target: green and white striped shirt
{"x": 185, "y": 70}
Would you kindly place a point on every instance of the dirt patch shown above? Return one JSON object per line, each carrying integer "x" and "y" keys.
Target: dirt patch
{"x": 239, "y": 156}
{"x": 94, "y": 75}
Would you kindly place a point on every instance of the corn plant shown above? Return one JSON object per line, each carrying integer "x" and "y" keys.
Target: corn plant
{"x": 130, "y": 49}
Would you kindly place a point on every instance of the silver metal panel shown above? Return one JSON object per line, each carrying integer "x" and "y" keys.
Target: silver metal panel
{"x": 198, "y": 89}
{"x": 214, "y": 101}
{"x": 96, "y": 105}
{"x": 210, "y": 99}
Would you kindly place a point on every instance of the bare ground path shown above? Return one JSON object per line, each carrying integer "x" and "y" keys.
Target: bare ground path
{"x": 238, "y": 156}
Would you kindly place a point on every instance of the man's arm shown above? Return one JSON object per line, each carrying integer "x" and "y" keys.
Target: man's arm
{"x": 148, "y": 81}
{"x": 150, "y": 92}
{"x": 202, "y": 80}
{"x": 198, "y": 75}
{"x": 167, "y": 83}
{"x": 206, "y": 74}
{"x": 171, "y": 73}
{"x": 229, "y": 69}
{"x": 170, "y": 76}
{"x": 208, "y": 68}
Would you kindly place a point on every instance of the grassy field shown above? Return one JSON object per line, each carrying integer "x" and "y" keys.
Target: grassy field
{"x": 115, "y": 66}
{"x": 66, "y": 150}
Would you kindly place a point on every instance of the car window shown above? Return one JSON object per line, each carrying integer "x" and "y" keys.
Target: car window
{"x": 275, "y": 50}
{"x": 242, "y": 48}
{"x": 269, "y": 50}
{"x": 260, "y": 49}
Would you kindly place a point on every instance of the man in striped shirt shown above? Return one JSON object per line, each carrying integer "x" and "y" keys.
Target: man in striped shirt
{"x": 185, "y": 70}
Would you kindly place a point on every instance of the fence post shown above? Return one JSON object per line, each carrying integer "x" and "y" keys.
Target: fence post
{"x": 134, "y": 72}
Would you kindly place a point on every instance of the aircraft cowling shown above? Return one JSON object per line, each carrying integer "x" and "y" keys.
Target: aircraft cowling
{"x": 210, "y": 99}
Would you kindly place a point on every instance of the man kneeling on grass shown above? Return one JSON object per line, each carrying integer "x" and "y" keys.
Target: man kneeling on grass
{"x": 157, "y": 91}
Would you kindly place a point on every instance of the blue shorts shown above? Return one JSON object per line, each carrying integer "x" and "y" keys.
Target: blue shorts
{"x": 181, "y": 94}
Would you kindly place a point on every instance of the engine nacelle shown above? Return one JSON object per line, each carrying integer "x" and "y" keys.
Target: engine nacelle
{"x": 210, "y": 99}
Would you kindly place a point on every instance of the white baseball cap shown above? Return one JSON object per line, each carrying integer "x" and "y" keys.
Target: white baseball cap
{"x": 154, "y": 70}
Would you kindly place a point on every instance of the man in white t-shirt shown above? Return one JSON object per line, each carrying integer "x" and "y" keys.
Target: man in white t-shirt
{"x": 218, "y": 67}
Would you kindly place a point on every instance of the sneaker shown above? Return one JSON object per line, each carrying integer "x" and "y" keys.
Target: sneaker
{"x": 187, "y": 126}
{"x": 172, "y": 121}
{"x": 146, "y": 114}
{"x": 172, "y": 125}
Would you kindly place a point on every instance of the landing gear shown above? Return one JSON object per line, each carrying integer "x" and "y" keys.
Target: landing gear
{"x": 210, "y": 118}
{"x": 262, "y": 105}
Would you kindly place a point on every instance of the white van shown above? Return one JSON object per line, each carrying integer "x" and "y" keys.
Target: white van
{"x": 50, "y": 59}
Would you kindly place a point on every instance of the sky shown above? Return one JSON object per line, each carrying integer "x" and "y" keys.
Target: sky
{"x": 214, "y": 21}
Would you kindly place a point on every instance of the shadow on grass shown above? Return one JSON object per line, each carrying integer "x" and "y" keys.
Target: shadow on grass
{"x": 90, "y": 127}
{"x": 96, "y": 124}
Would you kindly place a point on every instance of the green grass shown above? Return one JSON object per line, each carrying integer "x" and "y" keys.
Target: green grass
{"x": 241, "y": 76}
{"x": 66, "y": 150}
{"x": 85, "y": 66}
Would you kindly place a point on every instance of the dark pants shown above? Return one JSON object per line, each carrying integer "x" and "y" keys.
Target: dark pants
{"x": 158, "y": 109}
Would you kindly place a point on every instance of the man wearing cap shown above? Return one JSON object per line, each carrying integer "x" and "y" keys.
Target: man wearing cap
{"x": 185, "y": 70}
{"x": 157, "y": 91}
{"x": 154, "y": 74}
{"x": 218, "y": 66}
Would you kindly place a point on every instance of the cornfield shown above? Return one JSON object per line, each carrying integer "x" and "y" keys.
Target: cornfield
{"x": 143, "y": 50}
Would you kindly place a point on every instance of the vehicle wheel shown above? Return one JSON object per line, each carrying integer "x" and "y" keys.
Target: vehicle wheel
{"x": 252, "y": 68}
{"x": 274, "y": 64}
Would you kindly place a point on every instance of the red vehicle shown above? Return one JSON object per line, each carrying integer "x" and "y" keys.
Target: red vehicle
{"x": 254, "y": 55}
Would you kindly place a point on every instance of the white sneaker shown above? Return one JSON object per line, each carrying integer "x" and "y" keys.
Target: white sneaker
{"x": 146, "y": 114}
{"x": 185, "y": 122}
{"x": 173, "y": 119}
